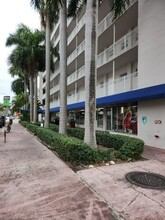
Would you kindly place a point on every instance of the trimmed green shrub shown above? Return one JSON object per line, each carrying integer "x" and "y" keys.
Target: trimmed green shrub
{"x": 68, "y": 148}
{"x": 76, "y": 132}
{"x": 23, "y": 123}
{"x": 126, "y": 147}
{"x": 75, "y": 151}
{"x": 54, "y": 127}
{"x": 131, "y": 149}
{"x": 110, "y": 140}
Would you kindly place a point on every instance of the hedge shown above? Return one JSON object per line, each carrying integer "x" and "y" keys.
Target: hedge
{"x": 127, "y": 147}
{"x": 75, "y": 151}
{"x": 68, "y": 148}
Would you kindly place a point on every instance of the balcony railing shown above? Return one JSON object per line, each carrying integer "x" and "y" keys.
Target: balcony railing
{"x": 76, "y": 98}
{"x": 120, "y": 85}
{"x": 81, "y": 72}
{"x": 76, "y": 52}
{"x": 54, "y": 103}
{"x": 76, "y": 75}
{"x": 124, "y": 44}
{"x": 76, "y": 29}
{"x": 55, "y": 89}
{"x": 121, "y": 46}
{"x": 108, "y": 20}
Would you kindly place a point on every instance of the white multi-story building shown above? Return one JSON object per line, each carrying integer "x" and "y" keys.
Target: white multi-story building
{"x": 130, "y": 71}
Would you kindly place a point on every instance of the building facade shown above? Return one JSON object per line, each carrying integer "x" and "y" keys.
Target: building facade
{"x": 130, "y": 90}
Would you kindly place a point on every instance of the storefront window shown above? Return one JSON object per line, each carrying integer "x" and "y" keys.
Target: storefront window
{"x": 99, "y": 116}
{"x": 122, "y": 119}
{"x": 80, "y": 115}
{"x": 118, "y": 117}
{"x": 109, "y": 118}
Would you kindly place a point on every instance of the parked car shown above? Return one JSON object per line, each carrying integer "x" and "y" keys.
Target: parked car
{"x": 2, "y": 121}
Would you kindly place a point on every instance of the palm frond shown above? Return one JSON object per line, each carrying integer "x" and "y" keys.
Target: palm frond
{"x": 74, "y": 7}
{"x": 37, "y": 4}
{"x": 118, "y": 7}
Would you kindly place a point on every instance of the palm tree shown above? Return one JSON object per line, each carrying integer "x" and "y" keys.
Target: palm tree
{"x": 48, "y": 10}
{"x": 15, "y": 71}
{"x": 19, "y": 101}
{"x": 63, "y": 67}
{"x": 18, "y": 63}
{"x": 17, "y": 86}
{"x": 27, "y": 56}
{"x": 117, "y": 7}
{"x": 90, "y": 74}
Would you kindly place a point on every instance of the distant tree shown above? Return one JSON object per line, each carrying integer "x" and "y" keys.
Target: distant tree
{"x": 19, "y": 101}
{"x": 17, "y": 86}
{"x": 29, "y": 56}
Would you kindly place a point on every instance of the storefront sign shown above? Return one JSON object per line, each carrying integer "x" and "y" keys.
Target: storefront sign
{"x": 144, "y": 120}
{"x": 158, "y": 122}
{"x": 6, "y": 101}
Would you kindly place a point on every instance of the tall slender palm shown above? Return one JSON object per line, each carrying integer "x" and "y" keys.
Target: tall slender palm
{"x": 26, "y": 55}
{"x": 63, "y": 68}
{"x": 17, "y": 61}
{"x": 48, "y": 10}
{"x": 14, "y": 70}
{"x": 90, "y": 74}
{"x": 117, "y": 7}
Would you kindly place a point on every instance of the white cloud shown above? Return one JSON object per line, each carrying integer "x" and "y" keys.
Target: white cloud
{"x": 13, "y": 13}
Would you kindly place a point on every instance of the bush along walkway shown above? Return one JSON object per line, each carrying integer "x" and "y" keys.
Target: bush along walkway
{"x": 73, "y": 150}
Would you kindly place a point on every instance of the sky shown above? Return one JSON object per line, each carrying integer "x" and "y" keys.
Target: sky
{"x": 13, "y": 13}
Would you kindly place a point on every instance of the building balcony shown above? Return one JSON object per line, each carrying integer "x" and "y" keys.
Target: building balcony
{"x": 79, "y": 97}
{"x": 108, "y": 20}
{"x": 54, "y": 103}
{"x": 120, "y": 85}
{"x": 55, "y": 89}
{"x": 76, "y": 75}
{"x": 121, "y": 46}
{"x": 76, "y": 29}
{"x": 76, "y": 52}
{"x": 102, "y": 26}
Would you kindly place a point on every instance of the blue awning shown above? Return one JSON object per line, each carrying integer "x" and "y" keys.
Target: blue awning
{"x": 148, "y": 93}
{"x": 153, "y": 92}
{"x": 28, "y": 110}
{"x": 55, "y": 109}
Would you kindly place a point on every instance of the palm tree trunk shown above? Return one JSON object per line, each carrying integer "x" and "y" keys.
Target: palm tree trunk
{"x": 47, "y": 100}
{"x": 35, "y": 100}
{"x": 63, "y": 66}
{"x": 25, "y": 90}
{"x": 31, "y": 99}
{"x": 90, "y": 73}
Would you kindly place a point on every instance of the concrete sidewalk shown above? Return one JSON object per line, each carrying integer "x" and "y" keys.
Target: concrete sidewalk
{"x": 130, "y": 201}
{"x": 36, "y": 184}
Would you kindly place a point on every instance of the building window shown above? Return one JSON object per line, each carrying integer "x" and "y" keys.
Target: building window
{"x": 122, "y": 119}
{"x": 80, "y": 115}
{"x": 99, "y": 117}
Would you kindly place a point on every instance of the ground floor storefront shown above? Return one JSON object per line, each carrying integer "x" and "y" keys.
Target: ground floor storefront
{"x": 140, "y": 112}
